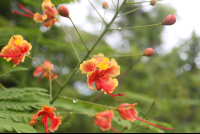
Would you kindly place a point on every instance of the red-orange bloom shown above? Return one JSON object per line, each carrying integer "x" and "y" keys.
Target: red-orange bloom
{"x": 16, "y": 49}
{"x": 47, "y": 112}
{"x": 40, "y": 71}
{"x": 127, "y": 112}
{"x": 49, "y": 16}
{"x": 104, "y": 119}
{"x": 101, "y": 73}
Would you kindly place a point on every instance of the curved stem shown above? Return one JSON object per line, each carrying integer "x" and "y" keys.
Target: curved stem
{"x": 78, "y": 34}
{"x": 132, "y": 10}
{"x": 88, "y": 53}
{"x": 102, "y": 22}
{"x": 2, "y": 87}
{"x": 118, "y": 56}
{"x": 70, "y": 42}
{"x": 97, "y": 12}
{"x": 86, "y": 102}
{"x": 137, "y": 27}
{"x": 45, "y": 69}
{"x": 114, "y": 4}
{"x": 78, "y": 113}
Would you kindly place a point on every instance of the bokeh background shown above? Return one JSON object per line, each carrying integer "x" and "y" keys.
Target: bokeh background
{"x": 170, "y": 78}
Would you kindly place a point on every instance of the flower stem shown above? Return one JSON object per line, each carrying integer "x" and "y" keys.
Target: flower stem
{"x": 2, "y": 86}
{"x": 114, "y": 4}
{"x": 140, "y": 2}
{"x": 118, "y": 56}
{"x": 78, "y": 113}
{"x": 45, "y": 69}
{"x": 132, "y": 10}
{"x": 97, "y": 12}
{"x": 70, "y": 42}
{"x": 50, "y": 86}
{"x": 86, "y": 102}
{"x": 102, "y": 22}
{"x": 137, "y": 27}
{"x": 79, "y": 34}
{"x": 86, "y": 56}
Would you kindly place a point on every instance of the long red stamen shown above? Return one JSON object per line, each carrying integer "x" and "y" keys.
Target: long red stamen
{"x": 114, "y": 95}
{"x": 114, "y": 130}
{"x": 11, "y": 56}
{"x": 15, "y": 12}
{"x": 152, "y": 123}
{"x": 45, "y": 122}
{"x": 22, "y": 7}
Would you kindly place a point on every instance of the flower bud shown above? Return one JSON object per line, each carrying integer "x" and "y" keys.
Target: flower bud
{"x": 148, "y": 52}
{"x": 63, "y": 11}
{"x": 105, "y": 5}
{"x": 152, "y": 2}
{"x": 169, "y": 20}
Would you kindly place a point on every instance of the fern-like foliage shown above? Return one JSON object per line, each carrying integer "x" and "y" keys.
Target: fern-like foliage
{"x": 17, "y": 106}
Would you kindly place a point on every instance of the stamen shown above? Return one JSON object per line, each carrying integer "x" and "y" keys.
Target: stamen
{"x": 114, "y": 95}
{"x": 22, "y": 7}
{"x": 15, "y": 12}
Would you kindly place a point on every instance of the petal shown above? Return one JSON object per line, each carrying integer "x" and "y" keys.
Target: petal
{"x": 46, "y": 4}
{"x": 98, "y": 57}
{"x": 16, "y": 37}
{"x": 48, "y": 109}
{"x": 90, "y": 79}
{"x": 49, "y": 23}
{"x": 108, "y": 86}
{"x": 35, "y": 116}
{"x": 39, "y": 17}
{"x": 38, "y": 70}
{"x": 88, "y": 66}
{"x": 55, "y": 122}
{"x": 112, "y": 71}
{"x": 25, "y": 46}
{"x": 47, "y": 64}
{"x": 51, "y": 13}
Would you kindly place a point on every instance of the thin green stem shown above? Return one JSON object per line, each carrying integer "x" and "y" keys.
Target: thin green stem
{"x": 141, "y": 2}
{"x": 97, "y": 12}
{"x": 1, "y": 85}
{"x": 78, "y": 113}
{"x": 77, "y": 100}
{"x": 102, "y": 22}
{"x": 118, "y": 56}
{"x": 118, "y": 6}
{"x": 114, "y": 4}
{"x": 45, "y": 69}
{"x": 86, "y": 56}
{"x": 79, "y": 34}
{"x": 50, "y": 86}
{"x": 137, "y": 27}
{"x": 132, "y": 10}
{"x": 70, "y": 42}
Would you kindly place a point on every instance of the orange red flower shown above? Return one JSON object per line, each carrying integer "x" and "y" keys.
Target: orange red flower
{"x": 127, "y": 112}
{"x": 49, "y": 16}
{"x": 101, "y": 72}
{"x": 40, "y": 71}
{"x": 16, "y": 49}
{"x": 47, "y": 112}
{"x": 104, "y": 119}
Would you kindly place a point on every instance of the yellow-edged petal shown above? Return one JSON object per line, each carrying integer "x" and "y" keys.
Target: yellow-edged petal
{"x": 88, "y": 66}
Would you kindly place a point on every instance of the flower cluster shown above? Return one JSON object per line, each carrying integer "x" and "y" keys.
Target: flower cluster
{"x": 49, "y": 16}
{"x": 16, "y": 50}
{"x": 100, "y": 70}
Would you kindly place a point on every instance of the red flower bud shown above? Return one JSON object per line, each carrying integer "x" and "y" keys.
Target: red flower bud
{"x": 169, "y": 20}
{"x": 105, "y": 5}
{"x": 153, "y": 2}
{"x": 148, "y": 52}
{"x": 63, "y": 11}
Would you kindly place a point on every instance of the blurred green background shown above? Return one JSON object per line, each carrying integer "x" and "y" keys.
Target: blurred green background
{"x": 171, "y": 80}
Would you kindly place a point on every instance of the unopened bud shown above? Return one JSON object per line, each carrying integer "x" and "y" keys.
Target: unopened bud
{"x": 169, "y": 20}
{"x": 152, "y": 2}
{"x": 63, "y": 11}
{"x": 105, "y": 5}
{"x": 148, "y": 52}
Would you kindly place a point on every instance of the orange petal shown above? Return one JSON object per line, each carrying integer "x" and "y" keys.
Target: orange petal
{"x": 49, "y": 23}
{"x": 48, "y": 109}
{"x": 90, "y": 79}
{"x": 35, "y": 116}
{"x": 38, "y": 70}
{"x": 25, "y": 46}
{"x": 112, "y": 71}
{"x": 39, "y": 17}
{"x": 108, "y": 86}
{"x": 88, "y": 66}
{"x": 47, "y": 64}
{"x": 51, "y": 13}
{"x": 55, "y": 122}
{"x": 46, "y": 4}
{"x": 16, "y": 37}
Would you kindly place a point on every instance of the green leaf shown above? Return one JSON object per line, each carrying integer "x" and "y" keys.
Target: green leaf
{"x": 13, "y": 70}
{"x": 8, "y": 127}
